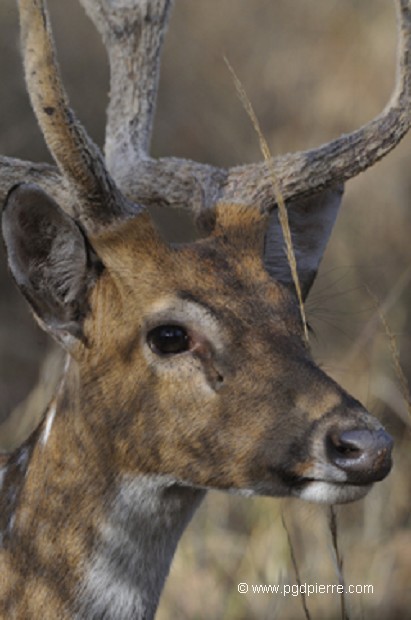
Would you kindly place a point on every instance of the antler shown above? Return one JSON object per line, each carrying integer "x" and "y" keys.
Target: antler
{"x": 132, "y": 31}
{"x": 299, "y": 174}
{"x": 78, "y": 158}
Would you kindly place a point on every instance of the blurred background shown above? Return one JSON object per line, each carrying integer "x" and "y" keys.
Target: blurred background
{"x": 313, "y": 70}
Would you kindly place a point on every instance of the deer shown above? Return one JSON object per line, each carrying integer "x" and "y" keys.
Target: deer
{"x": 187, "y": 364}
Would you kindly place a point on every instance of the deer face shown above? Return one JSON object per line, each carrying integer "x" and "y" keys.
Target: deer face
{"x": 192, "y": 357}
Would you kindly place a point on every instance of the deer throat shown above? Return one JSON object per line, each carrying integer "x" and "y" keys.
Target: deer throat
{"x": 135, "y": 546}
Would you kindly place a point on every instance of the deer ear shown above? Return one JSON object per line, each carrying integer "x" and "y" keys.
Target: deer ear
{"x": 311, "y": 221}
{"x": 49, "y": 258}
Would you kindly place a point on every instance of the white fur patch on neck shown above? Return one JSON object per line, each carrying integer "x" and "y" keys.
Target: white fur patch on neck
{"x": 138, "y": 537}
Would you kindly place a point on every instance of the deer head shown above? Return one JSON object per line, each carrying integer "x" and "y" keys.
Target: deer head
{"x": 188, "y": 361}
{"x": 193, "y": 356}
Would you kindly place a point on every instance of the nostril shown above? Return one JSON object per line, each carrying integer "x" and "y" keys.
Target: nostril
{"x": 345, "y": 446}
{"x": 364, "y": 454}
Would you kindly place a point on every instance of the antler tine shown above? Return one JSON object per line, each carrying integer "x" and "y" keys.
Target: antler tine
{"x": 98, "y": 201}
{"x": 133, "y": 34}
{"x": 308, "y": 172}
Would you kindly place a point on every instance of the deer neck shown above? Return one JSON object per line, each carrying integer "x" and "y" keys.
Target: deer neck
{"x": 134, "y": 547}
{"x": 114, "y": 534}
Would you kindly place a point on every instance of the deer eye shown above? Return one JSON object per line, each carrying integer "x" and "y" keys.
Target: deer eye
{"x": 168, "y": 340}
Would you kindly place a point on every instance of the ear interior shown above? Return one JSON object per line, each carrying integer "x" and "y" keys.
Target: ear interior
{"x": 311, "y": 221}
{"x": 49, "y": 258}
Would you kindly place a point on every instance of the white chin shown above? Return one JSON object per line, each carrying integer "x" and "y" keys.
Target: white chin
{"x": 332, "y": 493}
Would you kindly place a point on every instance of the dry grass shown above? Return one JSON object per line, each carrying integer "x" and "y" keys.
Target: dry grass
{"x": 282, "y": 209}
{"x": 313, "y": 70}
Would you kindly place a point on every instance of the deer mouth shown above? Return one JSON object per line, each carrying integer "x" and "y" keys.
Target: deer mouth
{"x": 345, "y": 467}
{"x": 345, "y": 471}
{"x": 326, "y": 492}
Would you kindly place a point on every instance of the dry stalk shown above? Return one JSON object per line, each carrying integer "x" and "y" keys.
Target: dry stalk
{"x": 282, "y": 209}
{"x": 339, "y": 562}
{"x": 296, "y": 569}
{"x": 395, "y": 354}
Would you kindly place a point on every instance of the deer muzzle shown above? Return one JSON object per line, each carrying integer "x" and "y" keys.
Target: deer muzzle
{"x": 363, "y": 454}
{"x": 347, "y": 458}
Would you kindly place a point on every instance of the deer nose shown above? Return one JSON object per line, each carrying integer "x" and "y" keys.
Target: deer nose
{"x": 365, "y": 455}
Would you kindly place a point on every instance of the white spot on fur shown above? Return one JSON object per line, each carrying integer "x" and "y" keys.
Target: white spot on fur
{"x": 49, "y": 423}
{"x": 51, "y": 413}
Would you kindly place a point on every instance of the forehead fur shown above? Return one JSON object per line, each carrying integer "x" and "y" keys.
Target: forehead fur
{"x": 223, "y": 272}
{"x": 134, "y": 253}
{"x": 238, "y": 225}
{"x": 244, "y": 224}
